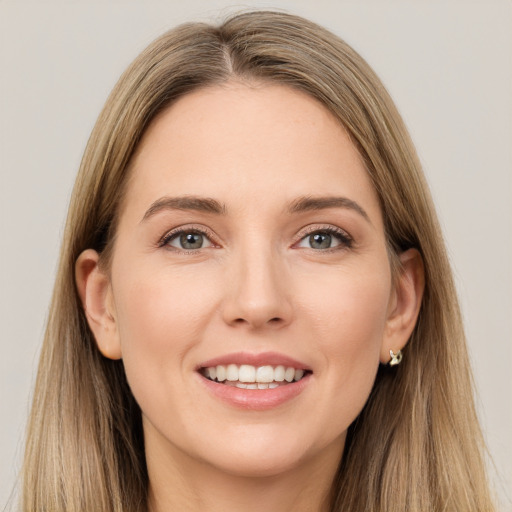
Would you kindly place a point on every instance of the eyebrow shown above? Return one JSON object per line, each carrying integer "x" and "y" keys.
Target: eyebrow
{"x": 310, "y": 203}
{"x": 210, "y": 205}
{"x": 186, "y": 203}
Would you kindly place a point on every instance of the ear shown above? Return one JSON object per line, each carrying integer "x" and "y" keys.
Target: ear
{"x": 95, "y": 293}
{"x": 404, "y": 304}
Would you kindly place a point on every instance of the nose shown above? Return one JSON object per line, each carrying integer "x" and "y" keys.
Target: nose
{"x": 258, "y": 292}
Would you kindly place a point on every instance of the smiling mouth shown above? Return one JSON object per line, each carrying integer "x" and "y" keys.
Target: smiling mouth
{"x": 246, "y": 376}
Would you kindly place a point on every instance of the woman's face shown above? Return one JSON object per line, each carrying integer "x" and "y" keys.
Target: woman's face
{"x": 250, "y": 247}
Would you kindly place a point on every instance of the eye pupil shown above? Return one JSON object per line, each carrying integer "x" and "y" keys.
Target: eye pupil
{"x": 191, "y": 240}
{"x": 320, "y": 241}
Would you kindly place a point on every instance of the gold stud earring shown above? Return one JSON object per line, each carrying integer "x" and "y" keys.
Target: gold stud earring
{"x": 395, "y": 358}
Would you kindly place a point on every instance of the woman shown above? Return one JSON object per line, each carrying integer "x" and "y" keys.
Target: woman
{"x": 254, "y": 307}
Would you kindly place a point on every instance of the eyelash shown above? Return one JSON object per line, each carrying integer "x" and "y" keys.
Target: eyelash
{"x": 164, "y": 241}
{"x": 344, "y": 239}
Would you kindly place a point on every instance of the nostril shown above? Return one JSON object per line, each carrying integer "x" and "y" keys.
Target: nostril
{"x": 274, "y": 320}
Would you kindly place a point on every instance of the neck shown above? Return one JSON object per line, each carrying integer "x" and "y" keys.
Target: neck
{"x": 179, "y": 482}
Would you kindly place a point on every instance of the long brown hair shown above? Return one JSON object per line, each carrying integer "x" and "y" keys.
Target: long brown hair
{"x": 416, "y": 446}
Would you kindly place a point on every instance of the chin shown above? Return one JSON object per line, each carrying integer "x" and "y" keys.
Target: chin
{"x": 260, "y": 466}
{"x": 270, "y": 452}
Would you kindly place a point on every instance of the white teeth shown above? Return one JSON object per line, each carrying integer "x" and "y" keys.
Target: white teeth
{"x": 247, "y": 376}
{"x": 247, "y": 373}
{"x": 221, "y": 373}
{"x": 289, "y": 374}
{"x": 265, "y": 374}
{"x": 279, "y": 373}
{"x": 232, "y": 372}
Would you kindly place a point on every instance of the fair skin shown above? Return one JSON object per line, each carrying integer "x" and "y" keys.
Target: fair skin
{"x": 287, "y": 266}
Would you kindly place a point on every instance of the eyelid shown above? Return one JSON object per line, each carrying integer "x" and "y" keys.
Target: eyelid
{"x": 346, "y": 240}
{"x": 188, "y": 228}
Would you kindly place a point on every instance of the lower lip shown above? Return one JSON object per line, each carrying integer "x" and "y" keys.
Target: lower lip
{"x": 256, "y": 399}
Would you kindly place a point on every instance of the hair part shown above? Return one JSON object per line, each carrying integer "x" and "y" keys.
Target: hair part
{"x": 415, "y": 446}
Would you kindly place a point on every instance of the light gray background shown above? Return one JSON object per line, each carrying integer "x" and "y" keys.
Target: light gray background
{"x": 448, "y": 65}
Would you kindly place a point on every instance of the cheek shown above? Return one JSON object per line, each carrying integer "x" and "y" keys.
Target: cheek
{"x": 349, "y": 308}
{"x": 349, "y": 326}
{"x": 160, "y": 317}
{"x": 160, "y": 309}
{"x": 357, "y": 317}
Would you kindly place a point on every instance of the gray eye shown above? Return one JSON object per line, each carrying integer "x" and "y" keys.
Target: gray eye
{"x": 189, "y": 240}
{"x": 320, "y": 241}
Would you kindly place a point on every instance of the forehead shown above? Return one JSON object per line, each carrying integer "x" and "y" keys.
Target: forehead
{"x": 244, "y": 144}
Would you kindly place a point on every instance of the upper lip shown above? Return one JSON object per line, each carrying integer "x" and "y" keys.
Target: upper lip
{"x": 260, "y": 359}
